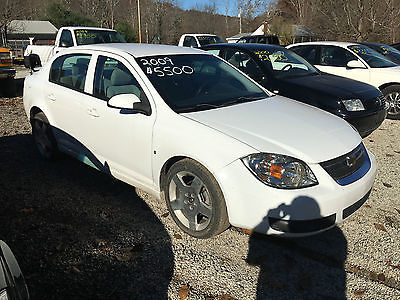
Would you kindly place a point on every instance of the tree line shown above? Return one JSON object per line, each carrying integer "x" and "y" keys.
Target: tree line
{"x": 163, "y": 21}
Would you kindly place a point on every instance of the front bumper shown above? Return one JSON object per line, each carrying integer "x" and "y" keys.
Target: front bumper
{"x": 253, "y": 205}
{"x": 365, "y": 125}
{"x": 7, "y": 73}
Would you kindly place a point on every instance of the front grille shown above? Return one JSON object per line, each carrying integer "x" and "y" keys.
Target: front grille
{"x": 349, "y": 167}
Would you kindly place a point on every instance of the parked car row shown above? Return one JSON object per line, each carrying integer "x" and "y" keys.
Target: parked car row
{"x": 285, "y": 73}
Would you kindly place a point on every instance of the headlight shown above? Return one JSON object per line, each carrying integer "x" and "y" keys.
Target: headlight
{"x": 353, "y": 104}
{"x": 280, "y": 171}
{"x": 3, "y": 295}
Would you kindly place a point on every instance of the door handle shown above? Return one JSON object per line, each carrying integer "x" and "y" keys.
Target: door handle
{"x": 52, "y": 97}
{"x": 92, "y": 112}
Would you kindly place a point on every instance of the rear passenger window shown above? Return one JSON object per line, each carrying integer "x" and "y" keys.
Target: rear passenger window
{"x": 309, "y": 53}
{"x": 70, "y": 71}
{"x": 113, "y": 78}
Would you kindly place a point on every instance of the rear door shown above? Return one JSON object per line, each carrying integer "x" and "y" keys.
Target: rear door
{"x": 64, "y": 93}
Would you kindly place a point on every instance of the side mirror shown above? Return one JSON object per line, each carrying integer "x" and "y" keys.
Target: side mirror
{"x": 129, "y": 102}
{"x": 32, "y": 62}
{"x": 355, "y": 64}
{"x": 66, "y": 44}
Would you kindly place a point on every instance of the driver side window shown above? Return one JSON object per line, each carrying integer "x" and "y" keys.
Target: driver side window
{"x": 335, "y": 56}
{"x": 66, "y": 38}
{"x": 244, "y": 62}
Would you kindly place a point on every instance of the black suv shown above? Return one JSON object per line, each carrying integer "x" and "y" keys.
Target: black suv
{"x": 284, "y": 72}
{"x": 259, "y": 39}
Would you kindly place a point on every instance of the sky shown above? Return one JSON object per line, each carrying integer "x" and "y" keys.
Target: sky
{"x": 188, "y": 4}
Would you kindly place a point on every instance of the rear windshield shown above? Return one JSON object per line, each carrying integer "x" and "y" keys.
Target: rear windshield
{"x": 198, "y": 82}
{"x": 371, "y": 57}
{"x": 88, "y": 37}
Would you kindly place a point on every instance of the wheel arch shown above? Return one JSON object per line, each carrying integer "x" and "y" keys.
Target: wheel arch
{"x": 34, "y": 110}
{"x": 385, "y": 85}
{"x": 165, "y": 168}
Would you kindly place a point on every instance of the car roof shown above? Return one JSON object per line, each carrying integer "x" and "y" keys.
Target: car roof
{"x": 330, "y": 43}
{"x": 244, "y": 46}
{"x": 89, "y": 28}
{"x": 370, "y": 44}
{"x": 200, "y": 34}
{"x": 141, "y": 50}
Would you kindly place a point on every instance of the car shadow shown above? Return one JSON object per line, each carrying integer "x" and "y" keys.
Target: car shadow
{"x": 299, "y": 268}
{"x": 78, "y": 233}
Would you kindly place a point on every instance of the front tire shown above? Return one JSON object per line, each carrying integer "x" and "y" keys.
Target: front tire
{"x": 195, "y": 200}
{"x": 392, "y": 96}
{"x": 43, "y": 137}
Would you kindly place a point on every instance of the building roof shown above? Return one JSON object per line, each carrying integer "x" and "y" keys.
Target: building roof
{"x": 31, "y": 27}
{"x": 238, "y": 36}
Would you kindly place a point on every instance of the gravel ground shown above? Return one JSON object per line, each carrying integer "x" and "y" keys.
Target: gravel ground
{"x": 79, "y": 234}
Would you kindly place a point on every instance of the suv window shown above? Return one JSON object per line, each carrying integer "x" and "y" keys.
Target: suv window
{"x": 309, "y": 53}
{"x": 66, "y": 37}
{"x": 70, "y": 71}
{"x": 113, "y": 78}
{"x": 244, "y": 62}
{"x": 335, "y": 56}
{"x": 189, "y": 41}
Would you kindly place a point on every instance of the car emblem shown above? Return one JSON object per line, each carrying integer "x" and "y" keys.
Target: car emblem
{"x": 350, "y": 161}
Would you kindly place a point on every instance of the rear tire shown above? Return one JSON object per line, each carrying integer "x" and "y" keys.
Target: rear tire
{"x": 392, "y": 96}
{"x": 43, "y": 137}
{"x": 195, "y": 200}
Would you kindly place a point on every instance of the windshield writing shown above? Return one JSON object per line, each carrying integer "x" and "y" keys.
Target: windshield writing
{"x": 371, "y": 57}
{"x": 198, "y": 82}
{"x": 87, "y": 37}
{"x": 284, "y": 63}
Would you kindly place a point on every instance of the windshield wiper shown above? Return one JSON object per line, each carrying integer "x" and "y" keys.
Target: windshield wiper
{"x": 197, "y": 107}
{"x": 242, "y": 99}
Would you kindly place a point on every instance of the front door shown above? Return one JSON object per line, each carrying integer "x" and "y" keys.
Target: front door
{"x": 120, "y": 139}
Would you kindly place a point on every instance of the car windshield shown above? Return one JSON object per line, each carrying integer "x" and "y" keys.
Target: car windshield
{"x": 209, "y": 39}
{"x": 285, "y": 63}
{"x": 390, "y": 52}
{"x": 198, "y": 82}
{"x": 87, "y": 37}
{"x": 371, "y": 57}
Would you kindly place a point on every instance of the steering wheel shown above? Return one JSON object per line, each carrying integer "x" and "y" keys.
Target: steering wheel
{"x": 287, "y": 67}
{"x": 202, "y": 88}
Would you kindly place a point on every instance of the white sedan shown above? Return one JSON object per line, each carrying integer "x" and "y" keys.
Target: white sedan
{"x": 358, "y": 62}
{"x": 186, "y": 126}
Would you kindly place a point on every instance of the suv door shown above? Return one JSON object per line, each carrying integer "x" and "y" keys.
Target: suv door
{"x": 334, "y": 60}
{"x": 121, "y": 139}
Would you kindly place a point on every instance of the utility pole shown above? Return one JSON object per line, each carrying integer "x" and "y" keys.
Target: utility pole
{"x": 140, "y": 33}
{"x": 240, "y": 20}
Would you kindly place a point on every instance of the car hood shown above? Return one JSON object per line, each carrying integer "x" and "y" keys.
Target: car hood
{"x": 336, "y": 86}
{"x": 283, "y": 126}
